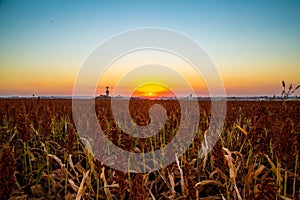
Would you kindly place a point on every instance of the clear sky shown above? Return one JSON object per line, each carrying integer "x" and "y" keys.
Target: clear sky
{"x": 255, "y": 44}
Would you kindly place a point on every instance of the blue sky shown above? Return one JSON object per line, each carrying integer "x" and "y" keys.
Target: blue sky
{"x": 255, "y": 44}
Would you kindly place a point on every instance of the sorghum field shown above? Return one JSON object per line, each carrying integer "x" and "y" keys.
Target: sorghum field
{"x": 256, "y": 156}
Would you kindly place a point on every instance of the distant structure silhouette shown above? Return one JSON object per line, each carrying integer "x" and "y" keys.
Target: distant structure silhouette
{"x": 107, "y": 91}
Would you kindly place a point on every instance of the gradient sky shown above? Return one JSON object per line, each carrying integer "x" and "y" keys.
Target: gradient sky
{"x": 255, "y": 44}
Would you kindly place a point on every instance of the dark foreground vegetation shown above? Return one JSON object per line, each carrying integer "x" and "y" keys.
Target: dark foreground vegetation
{"x": 256, "y": 156}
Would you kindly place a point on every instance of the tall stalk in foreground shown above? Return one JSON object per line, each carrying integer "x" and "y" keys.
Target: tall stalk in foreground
{"x": 7, "y": 172}
{"x": 289, "y": 92}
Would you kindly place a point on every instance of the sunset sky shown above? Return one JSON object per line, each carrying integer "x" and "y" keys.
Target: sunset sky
{"x": 255, "y": 44}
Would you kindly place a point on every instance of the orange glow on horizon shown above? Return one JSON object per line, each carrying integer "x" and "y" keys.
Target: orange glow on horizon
{"x": 152, "y": 90}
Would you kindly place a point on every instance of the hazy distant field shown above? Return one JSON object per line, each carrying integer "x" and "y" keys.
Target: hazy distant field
{"x": 256, "y": 157}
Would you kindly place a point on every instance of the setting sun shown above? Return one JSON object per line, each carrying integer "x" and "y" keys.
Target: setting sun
{"x": 152, "y": 90}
